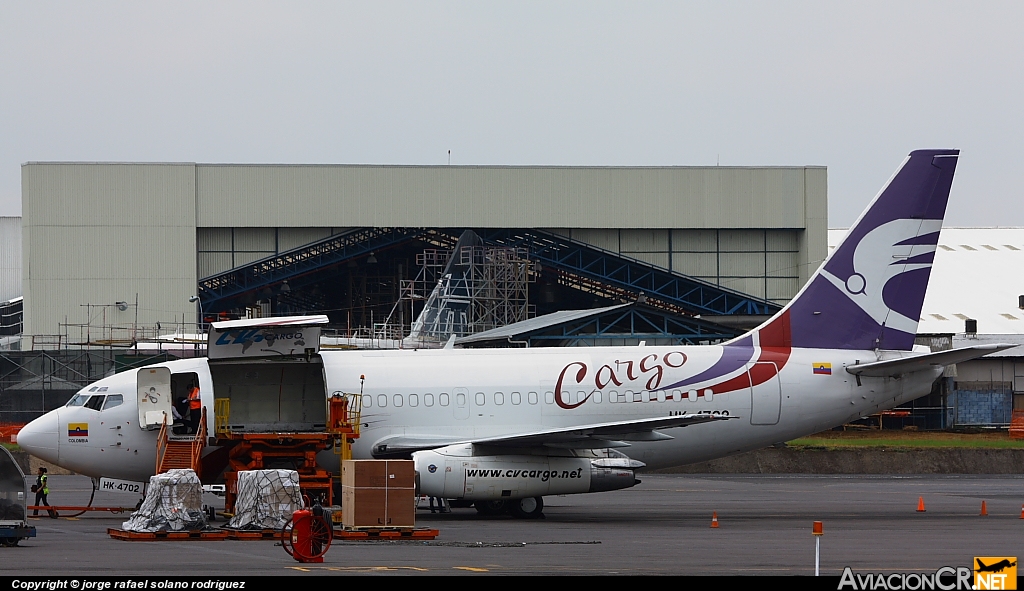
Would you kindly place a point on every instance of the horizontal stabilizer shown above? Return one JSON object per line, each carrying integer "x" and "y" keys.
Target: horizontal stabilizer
{"x": 596, "y": 436}
{"x": 910, "y": 364}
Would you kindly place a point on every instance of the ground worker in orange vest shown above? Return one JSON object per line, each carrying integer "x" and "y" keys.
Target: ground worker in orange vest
{"x": 195, "y": 408}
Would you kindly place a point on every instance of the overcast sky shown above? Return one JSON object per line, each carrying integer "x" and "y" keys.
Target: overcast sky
{"x": 851, "y": 85}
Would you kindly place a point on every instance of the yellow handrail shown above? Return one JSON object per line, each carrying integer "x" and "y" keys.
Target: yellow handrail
{"x": 198, "y": 443}
{"x": 221, "y": 413}
{"x": 161, "y": 444}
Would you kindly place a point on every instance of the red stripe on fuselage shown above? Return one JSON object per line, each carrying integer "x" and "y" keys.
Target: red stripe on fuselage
{"x": 776, "y": 346}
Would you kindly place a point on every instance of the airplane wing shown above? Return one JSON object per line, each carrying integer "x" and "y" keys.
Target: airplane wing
{"x": 890, "y": 368}
{"x": 595, "y": 436}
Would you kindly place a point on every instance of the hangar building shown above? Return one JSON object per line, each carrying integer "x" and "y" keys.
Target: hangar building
{"x": 131, "y": 243}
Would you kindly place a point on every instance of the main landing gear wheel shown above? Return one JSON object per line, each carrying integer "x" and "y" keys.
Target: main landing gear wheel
{"x": 490, "y": 508}
{"x": 528, "y": 508}
{"x": 9, "y": 542}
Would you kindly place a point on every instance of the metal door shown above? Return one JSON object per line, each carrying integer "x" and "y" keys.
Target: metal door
{"x": 154, "y": 396}
{"x": 766, "y": 395}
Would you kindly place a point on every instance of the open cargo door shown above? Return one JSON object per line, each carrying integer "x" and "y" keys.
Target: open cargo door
{"x": 266, "y": 337}
{"x": 268, "y": 376}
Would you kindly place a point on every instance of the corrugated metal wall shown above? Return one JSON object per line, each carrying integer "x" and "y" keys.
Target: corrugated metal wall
{"x": 10, "y": 258}
{"x": 509, "y": 197}
{"x": 102, "y": 233}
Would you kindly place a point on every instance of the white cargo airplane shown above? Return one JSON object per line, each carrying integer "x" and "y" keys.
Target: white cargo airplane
{"x": 504, "y": 427}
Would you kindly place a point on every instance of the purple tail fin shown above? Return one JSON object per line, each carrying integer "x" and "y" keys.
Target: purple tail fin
{"x": 868, "y": 293}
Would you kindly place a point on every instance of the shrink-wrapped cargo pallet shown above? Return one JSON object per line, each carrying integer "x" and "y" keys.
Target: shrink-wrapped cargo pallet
{"x": 174, "y": 502}
{"x": 265, "y": 499}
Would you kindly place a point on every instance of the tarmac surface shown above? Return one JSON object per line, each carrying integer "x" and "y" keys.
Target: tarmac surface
{"x": 661, "y": 527}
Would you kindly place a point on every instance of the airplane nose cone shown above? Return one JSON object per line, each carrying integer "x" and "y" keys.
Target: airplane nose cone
{"x": 40, "y": 437}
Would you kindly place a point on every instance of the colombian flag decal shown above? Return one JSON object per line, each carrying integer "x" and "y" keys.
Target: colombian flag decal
{"x": 78, "y": 429}
{"x": 821, "y": 368}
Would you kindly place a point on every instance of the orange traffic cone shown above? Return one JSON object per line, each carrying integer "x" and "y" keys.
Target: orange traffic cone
{"x": 984, "y": 509}
{"x": 1022, "y": 511}
{"x": 920, "y": 504}
{"x": 714, "y": 519}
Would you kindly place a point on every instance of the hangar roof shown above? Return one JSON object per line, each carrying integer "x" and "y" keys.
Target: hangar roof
{"x": 978, "y": 274}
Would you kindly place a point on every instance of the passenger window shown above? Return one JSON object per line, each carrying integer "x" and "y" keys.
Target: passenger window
{"x": 580, "y": 397}
{"x": 78, "y": 400}
{"x": 677, "y": 395}
{"x": 691, "y": 396}
{"x": 661, "y": 396}
{"x": 442, "y": 399}
{"x": 613, "y": 397}
{"x": 516, "y": 398}
{"x": 414, "y": 400}
{"x": 428, "y": 400}
{"x": 398, "y": 400}
{"x": 481, "y": 399}
{"x": 113, "y": 400}
{"x": 499, "y": 398}
{"x": 382, "y": 400}
{"x": 532, "y": 397}
{"x": 95, "y": 402}
{"x": 367, "y": 401}
{"x": 549, "y": 397}
{"x": 708, "y": 395}
{"x": 597, "y": 397}
{"x": 460, "y": 399}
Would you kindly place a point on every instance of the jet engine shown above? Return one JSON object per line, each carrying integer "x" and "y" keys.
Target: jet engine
{"x": 453, "y": 472}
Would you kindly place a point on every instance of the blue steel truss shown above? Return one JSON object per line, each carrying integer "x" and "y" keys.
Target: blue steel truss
{"x": 631, "y": 324}
{"x": 300, "y": 261}
{"x": 579, "y": 265}
{"x": 596, "y": 267}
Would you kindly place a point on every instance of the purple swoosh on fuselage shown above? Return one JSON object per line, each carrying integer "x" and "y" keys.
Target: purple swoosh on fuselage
{"x": 734, "y": 356}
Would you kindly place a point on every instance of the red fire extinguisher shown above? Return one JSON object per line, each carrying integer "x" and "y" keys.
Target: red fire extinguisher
{"x": 307, "y": 537}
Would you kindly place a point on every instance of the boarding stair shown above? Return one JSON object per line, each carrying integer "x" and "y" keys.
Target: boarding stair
{"x": 176, "y": 451}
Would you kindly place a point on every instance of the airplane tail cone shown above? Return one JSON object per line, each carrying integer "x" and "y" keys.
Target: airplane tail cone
{"x": 984, "y": 509}
{"x": 714, "y": 519}
{"x": 920, "y": 505}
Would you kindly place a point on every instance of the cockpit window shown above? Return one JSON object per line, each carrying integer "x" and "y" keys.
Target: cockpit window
{"x": 78, "y": 400}
{"x": 113, "y": 400}
{"x": 95, "y": 402}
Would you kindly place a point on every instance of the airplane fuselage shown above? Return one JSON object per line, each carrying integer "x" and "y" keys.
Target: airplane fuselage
{"x": 470, "y": 394}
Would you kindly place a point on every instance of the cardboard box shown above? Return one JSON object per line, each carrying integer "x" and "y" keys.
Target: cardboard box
{"x": 378, "y": 493}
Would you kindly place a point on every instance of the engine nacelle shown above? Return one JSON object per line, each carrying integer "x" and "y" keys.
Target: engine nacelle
{"x": 454, "y": 473}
